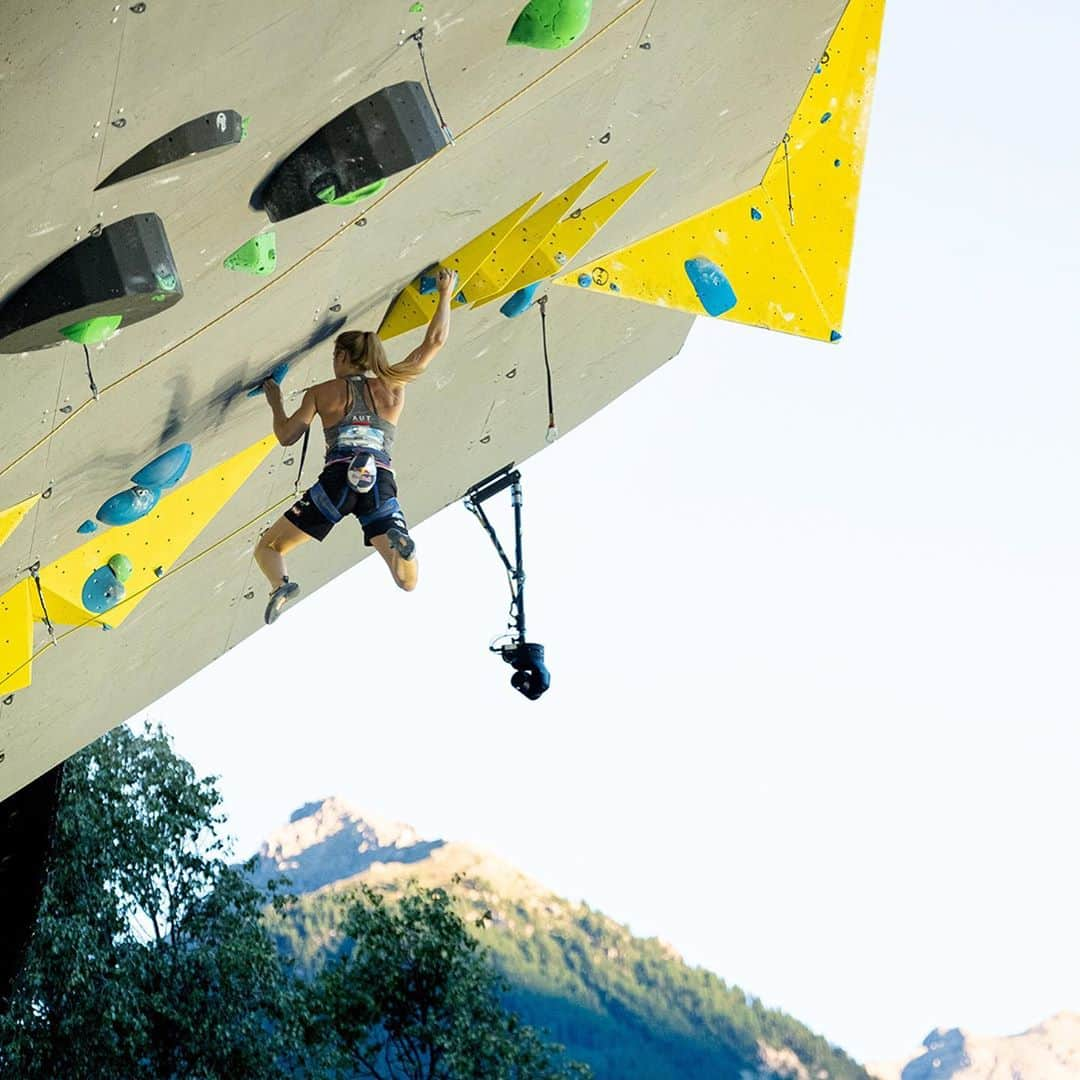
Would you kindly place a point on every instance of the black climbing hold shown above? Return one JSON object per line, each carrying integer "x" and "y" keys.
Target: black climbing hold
{"x": 215, "y": 131}
{"x": 393, "y": 129}
{"x": 116, "y": 275}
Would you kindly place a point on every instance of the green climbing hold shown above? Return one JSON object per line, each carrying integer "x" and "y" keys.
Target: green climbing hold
{"x": 329, "y": 194}
{"x": 550, "y": 24}
{"x": 91, "y": 331}
{"x": 245, "y": 121}
{"x": 257, "y": 256}
{"x": 121, "y": 566}
{"x": 417, "y": 9}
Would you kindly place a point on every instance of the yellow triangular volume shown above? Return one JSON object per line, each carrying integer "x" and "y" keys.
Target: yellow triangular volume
{"x": 153, "y": 543}
{"x": 783, "y": 249}
{"x": 412, "y": 308}
{"x": 16, "y": 638}
{"x": 570, "y": 236}
{"x": 510, "y": 256}
{"x": 10, "y": 518}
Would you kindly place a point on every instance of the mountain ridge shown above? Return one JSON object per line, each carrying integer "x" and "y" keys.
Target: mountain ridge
{"x": 628, "y": 1006}
{"x": 1047, "y": 1051}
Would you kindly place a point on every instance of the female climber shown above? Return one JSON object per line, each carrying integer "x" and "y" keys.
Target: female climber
{"x": 359, "y": 409}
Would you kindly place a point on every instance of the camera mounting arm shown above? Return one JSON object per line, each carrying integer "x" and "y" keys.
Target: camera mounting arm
{"x": 530, "y": 676}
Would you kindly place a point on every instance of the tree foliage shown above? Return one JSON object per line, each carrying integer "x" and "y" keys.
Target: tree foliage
{"x": 151, "y": 957}
{"x": 412, "y": 995}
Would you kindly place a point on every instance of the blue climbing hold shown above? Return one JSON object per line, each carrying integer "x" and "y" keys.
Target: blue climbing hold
{"x": 277, "y": 375}
{"x": 87, "y": 527}
{"x": 755, "y": 214}
{"x": 826, "y": 117}
{"x": 428, "y": 284}
{"x": 817, "y": 70}
{"x": 712, "y": 287}
{"x": 585, "y": 280}
{"x": 101, "y": 591}
{"x": 613, "y": 287}
{"x": 461, "y": 298}
{"x": 128, "y": 506}
{"x": 520, "y": 302}
{"x": 837, "y": 163}
{"x": 166, "y": 469}
{"x": 834, "y": 336}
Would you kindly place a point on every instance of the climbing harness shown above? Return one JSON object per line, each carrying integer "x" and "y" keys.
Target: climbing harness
{"x": 552, "y": 431}
{"x": 531, "y": 677}
{"x": 331, "y": 508}
{"x": 418, "y": 37}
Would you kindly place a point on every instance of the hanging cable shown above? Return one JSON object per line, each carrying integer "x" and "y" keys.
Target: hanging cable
{"x": 90, "y": 374}
{"x": 418, "y": 37}
{"x": 33, "y": 572}
{"x": 303, "y": 455}
{"x": 552, "y": 431}
{"x": 787, "y": 168}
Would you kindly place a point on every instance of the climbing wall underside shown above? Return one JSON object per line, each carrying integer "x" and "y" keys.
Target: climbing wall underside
{"x": 702, "y": 93}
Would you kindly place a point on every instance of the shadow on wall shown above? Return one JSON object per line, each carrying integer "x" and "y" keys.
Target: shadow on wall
{"x": 212, "y": 410}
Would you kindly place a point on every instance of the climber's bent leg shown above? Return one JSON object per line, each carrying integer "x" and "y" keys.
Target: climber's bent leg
{"x": 274, "y": 544}
{"x": 398, "y": 549}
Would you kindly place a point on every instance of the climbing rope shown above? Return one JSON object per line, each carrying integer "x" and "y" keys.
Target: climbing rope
{"x": 418, "y": 37}
{"x": 552, "y": 431}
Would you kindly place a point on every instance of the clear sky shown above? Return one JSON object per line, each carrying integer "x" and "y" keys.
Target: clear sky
{"x": 814, "y": 714}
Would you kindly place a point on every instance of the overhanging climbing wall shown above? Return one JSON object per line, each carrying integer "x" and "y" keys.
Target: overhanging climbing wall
{"x": 669, "y": 152}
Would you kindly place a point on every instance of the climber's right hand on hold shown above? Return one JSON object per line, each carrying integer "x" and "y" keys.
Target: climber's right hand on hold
{"x": 446, "y": 281}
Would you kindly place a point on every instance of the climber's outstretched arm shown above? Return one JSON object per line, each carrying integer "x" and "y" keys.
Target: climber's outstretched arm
{"x": 288, "y": 429}
{"x": 437, "y": 332}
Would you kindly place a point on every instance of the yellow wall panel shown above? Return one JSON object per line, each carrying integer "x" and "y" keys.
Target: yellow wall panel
{"x": 784, "y": 246}
{"x": 412, "y": 308}
{"x": 10, "y": 518}
{"x": 569, "y": 237}
{"x": 510, "y": 256}
{"x": 16, "y": 637}
{"x": 157, "y": 540}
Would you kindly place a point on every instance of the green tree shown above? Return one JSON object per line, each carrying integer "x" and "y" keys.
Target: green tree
{"x": 150, "y": 957}
{"x": 413, "y": 995}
